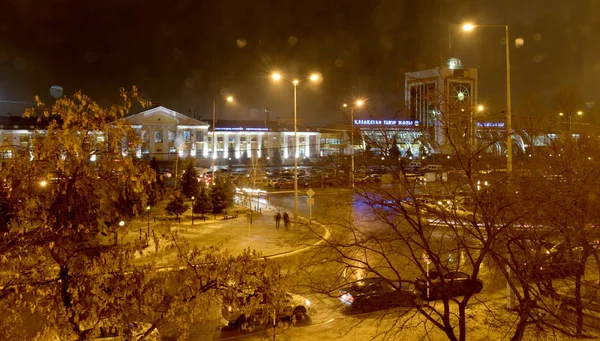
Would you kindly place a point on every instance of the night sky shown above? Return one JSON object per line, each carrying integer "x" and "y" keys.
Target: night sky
{"x": 185, "y": 53}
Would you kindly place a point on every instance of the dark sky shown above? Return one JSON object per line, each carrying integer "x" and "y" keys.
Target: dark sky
{"x": 185, "y": 53}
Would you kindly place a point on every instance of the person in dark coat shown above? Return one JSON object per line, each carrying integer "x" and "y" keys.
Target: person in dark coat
{"x": 286, "y": 220}
{"x": 277, "y": 220}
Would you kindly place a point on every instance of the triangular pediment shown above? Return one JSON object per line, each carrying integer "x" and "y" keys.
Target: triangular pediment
{"x": 163, "y": 116}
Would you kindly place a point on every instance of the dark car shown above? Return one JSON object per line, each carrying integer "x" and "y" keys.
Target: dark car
{"x": 454, "y": 283}
{"x": 377, "y": 293}
{"x": 284, "y": 183}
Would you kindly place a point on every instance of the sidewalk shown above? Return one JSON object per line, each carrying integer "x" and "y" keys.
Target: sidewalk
{"x": 232, "y": 234}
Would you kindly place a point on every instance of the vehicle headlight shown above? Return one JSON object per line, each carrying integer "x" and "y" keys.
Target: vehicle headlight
{"x": 307, "y": 303}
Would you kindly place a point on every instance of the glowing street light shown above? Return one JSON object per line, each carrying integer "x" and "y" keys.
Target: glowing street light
{"x": 468, "y": 27}
{"x": 315, "y": 77}
{"x": 357, "y": 103}
{"x": 480, "y": 108}
{"x": 214, "y": 137}
{"x": 43, "y": 183}
{"x": 569, "y": 116}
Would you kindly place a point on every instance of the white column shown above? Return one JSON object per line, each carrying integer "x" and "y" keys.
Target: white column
{"x": 205, "y": 144}
{"x": 238, "y": 145}
{"x": 193, "y": 133}
{"x": 165, "y": 148}
{"x": 307, "y": 145}
{"x": 226, "y": 146}
{"x": 249, "y": 145}
{"x": 151, "y": 139}
{"x": 179, "y": 141}
{"x": 259, "y": 146}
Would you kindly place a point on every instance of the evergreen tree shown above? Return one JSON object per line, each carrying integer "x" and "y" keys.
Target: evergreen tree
{"x": 176, "y": 206}
{"x": 394, "y": 150}
{"x": 157, "y": 188}
{"x": 244, "y": 159}
{"x": 203, "y": 203}
{"x": 231, "y": 152}
{"x": 277, "y": 157}
{"x": 189, "y": 180}
{"x": 218, "y": 195}
{"x": 263, "y": 153}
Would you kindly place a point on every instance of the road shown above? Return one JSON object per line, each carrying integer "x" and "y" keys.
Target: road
{"x": 311, "y": 268}
{"x": 327, "y": 319}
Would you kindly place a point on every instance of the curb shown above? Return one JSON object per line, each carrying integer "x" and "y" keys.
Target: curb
{"x": 293, "y": 252}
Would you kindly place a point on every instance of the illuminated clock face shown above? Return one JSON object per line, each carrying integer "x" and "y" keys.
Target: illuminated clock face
{"x": 461, "y": 93}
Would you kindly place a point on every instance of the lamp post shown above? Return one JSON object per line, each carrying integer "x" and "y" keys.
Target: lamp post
{"x": 148, "y": 232}
{"x": 357, "y": 103}
{"x": 569, "y": 116}
{"x": 509, "y": 162}
{"x": 193, "y": 198}
{"x": 214, "y": 137}
{"x": 313, "y": 78}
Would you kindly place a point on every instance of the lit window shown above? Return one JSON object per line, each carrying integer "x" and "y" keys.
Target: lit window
{"x": 158, "y": 136}
{"x": 187, "y": 136}
{"x": 171, "y": 136}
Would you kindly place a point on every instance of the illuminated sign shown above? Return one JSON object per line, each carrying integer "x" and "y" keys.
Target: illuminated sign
{"x": 240, "y": 129}
{"x": 491, "y": 124}
{"x": 406, "y": 123}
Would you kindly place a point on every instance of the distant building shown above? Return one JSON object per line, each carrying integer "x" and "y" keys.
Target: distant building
{"x": 166, "y": 133}
{"x": 443, "y": 100}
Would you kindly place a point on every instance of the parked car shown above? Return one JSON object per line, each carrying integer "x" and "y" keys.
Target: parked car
{"x": 454, "y": 283}
{"x": 284, "y": 183}
{"x": 377, "y": 293}
{"x": 245, "y": 312}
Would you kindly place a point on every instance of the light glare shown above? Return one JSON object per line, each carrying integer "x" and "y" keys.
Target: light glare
{"x": 229, "y": 98}
{"x": 314, "y": 77}
{"x": 468, "y": 27}
{"x": 276, "y": 76}
{"x": 359, "y": 103}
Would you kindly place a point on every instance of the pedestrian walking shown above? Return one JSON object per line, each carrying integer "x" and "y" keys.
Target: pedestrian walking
{"x": 286, "y": 220}
{"x": 277, "y": 220}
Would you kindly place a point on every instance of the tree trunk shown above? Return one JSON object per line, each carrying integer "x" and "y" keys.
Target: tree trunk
{"x": 64, "y": 276}
{"x": 525, "y": 306}
{"x": 578, "y": 305}
{"x": 462, "y": 322}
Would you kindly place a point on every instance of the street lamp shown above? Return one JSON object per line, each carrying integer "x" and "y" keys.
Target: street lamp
{"x": 358, "y": 103}
{"x": 148, "y": 232}
{"x": 470, "y": 27}
{"x": 214, "y": 137}
{"x": 276, "y": 76}
{"x": 473, "y": 123}
{"x": 193, "y": 198}
{"x": 569, "y": 116}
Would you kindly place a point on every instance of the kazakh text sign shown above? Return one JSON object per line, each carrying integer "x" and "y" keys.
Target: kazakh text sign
{"x": 405, "y": 123}
{"x": 491, "y": 124}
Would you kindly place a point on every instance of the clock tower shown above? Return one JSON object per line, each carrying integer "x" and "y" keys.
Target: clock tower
{"x": 443, "y": 99}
